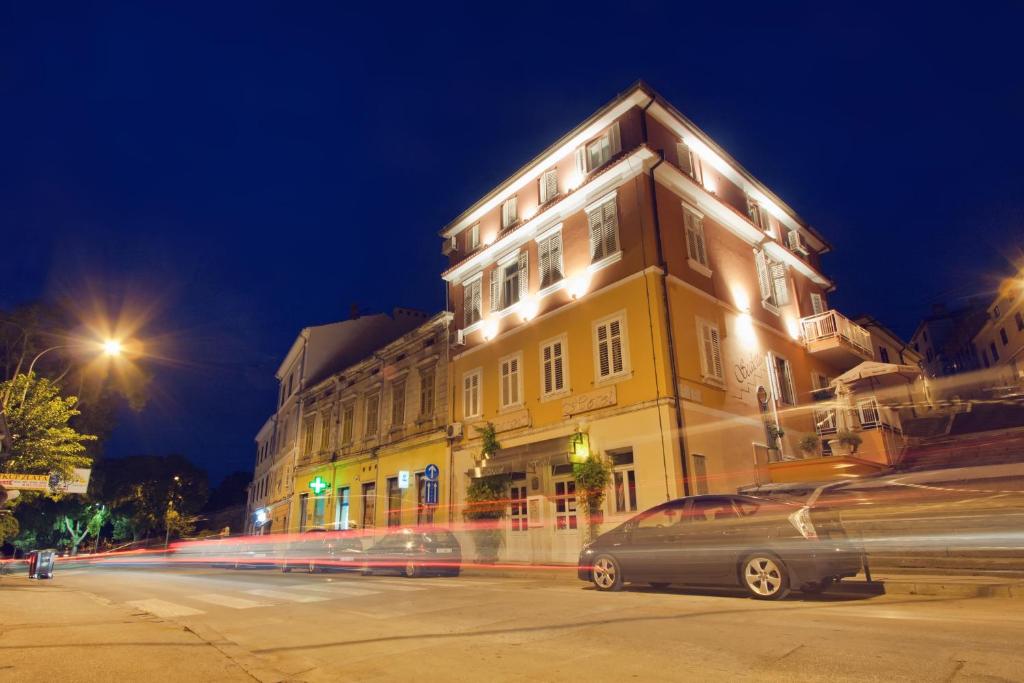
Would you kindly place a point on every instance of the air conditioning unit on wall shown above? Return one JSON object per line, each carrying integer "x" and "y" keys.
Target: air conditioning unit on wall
{"x": 454, "y": 430}
{"x": 796, "y": 242}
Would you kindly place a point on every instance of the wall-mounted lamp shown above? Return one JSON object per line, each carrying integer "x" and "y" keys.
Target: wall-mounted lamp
{"x": 579, "y": 448}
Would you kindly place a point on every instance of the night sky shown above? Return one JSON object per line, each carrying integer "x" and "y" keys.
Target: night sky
{"x": 231, "y": 173}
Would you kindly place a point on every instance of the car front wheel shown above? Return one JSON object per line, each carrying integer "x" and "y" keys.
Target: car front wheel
{"x": 606, "y": 574}
{"x": 765, "y": 577}
{"x": 411, "y": 570}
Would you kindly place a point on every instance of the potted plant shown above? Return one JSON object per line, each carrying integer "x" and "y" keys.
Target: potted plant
{"x": 486, "y": 501}
{"x": 845, "y": 443}
{"x": 592, "y": 477}
{"x": 809, "y": 445}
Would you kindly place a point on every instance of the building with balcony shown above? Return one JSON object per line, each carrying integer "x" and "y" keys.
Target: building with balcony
{"x": 316, "y": 352}
{"x": 368, "y": 434}
{"x": 634, "y": 289}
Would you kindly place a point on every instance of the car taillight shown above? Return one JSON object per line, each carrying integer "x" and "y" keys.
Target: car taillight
{"x": 801, "y": 520}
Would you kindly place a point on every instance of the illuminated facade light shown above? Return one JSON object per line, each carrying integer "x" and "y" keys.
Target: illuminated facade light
{"x": 741, "y": 299}
{"x": 793, "y": 328}
{"x": 578, "y": 285}
{"x": 745, "y": 330}
{"x": 573, "y": 181}
{"x": 528, "y": 309}
{"x": 579, "y": 448}
{"x": 490, "y": 329}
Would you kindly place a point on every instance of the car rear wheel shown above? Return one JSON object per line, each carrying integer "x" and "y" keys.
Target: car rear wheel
{"x": 606, "y": 574}
{"x": 411, "y": 570}
{"x": 765, "y": 576}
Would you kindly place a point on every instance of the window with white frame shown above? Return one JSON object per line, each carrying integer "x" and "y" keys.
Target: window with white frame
{"x": 603, "y": 220}
{"x": 781, "y": 376}
{"x": 471, "y": 382}
{"x": 599, "y": 151}
{"x": 509, "y": 212}
{"x": 510, "y": 281}
{"x": 473, "y": 237}
{"x": 517, "y": 512}
{"x": 427, "y": 392}
{"x": 549, "y": 252}
{"x": 372, "y": 415}
{"x": 758, "y": 215}
{"x": 611, "y": 350}
{"x": 511, "y": 381}
{"x": 711, "y": 367}
{"x": 565, "y": 504}
{"x": 471, "y": 301}
{"x": 552, "y": 362}
{"x": 548, "y": 189}
{"x": 623, "y": 482}
{"x": 817, "y": 303}
{"x": 348, "y": 419}
{"x": 398, "y": 402}
{"x": 771, "y": 278}
{"x": 689, "y": 163}
{"x": 696, "y": 249}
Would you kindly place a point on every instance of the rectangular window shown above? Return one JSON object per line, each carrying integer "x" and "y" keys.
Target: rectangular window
{"x": 510, "y": 281}
{"x": 565, "y": 505}
{"x": 471, "y": 393}
{"x": 610, "y": 348}
{"x": 369, "y": 505}
{"x": 995, "y": 354}
{"x": 424, "y": 512}
{"x": 307, "y": 445}
{"x": 695, "y": 247}
{"x": 604, "y": 229}
{"x": 472, "y": 304}
{"x": 303, "y": 511}
{"x": 348, "y": 419}
{"x": 394, "y": 502}
{"x": 517, "y": 512}
{"x": 319, "y": 508}
{"x": 597, "y": 153}
{"x": 771, "y": 278}
{"x": 549, "y": 251}
{"x": 817, "y": 303}
{"x": 710, "y": 351}
{"x": 623, "y": 482}
{"x": 758, "y": 216}
{"x": 372, "y": 415}
{"x": 341, "y": 506}
{"x": 883, "y": 354}
{"x": 325, "y": 431}
{"x": 511, "y": 381}
{"x": 689, "y": 163}
{"x": 473, "y": 238}
{"x": 782, "y": 379}
{"x": 1003, "y": 337}
{"x": 700, "y": 474}
{"x": 398, "y": 403}
{"x": 509, "y": 212}
{"x": 548, "y": 189}
{"x": 426, "y": 392}
{"x": 552, "y": 361}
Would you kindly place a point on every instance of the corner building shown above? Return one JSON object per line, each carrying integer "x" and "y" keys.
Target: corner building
{"x": 634, "y": 289}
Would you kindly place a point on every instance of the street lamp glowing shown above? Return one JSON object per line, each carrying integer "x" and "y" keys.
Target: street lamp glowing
{"x": 112, "y": 347}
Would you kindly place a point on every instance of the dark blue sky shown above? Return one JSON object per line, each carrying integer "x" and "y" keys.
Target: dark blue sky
{"x": 251, "y": 168}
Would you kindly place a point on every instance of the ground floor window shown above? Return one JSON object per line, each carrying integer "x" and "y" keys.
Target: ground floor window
{"x": 424, "y": 512}
{"x": 341, "y": 509}
{"x": 369, "y": 505}
{"x": 303, "y": 510}
{"x": 565, "y": 505}
{"x": 394, "y": 502}
{"x": 518, "y": 516}
{"x": 319, "y": 509}
{"x": 623, "y": 482}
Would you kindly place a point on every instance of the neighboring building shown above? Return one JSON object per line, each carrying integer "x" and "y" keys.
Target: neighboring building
{"x": 259, "y": 495}
{"x": 887, "y": 345}
{"x": 316, "y": 352}
{"x": 633, "y": 290}
{"x": 365, "y": 425}
{"x": 945, "y": 340}
{"x": 1000, "y": 342}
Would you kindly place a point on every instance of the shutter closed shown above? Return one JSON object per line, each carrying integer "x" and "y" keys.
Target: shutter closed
{"x": 763, "y": 278}
{"x": 603, "y": 356}
{"x": 548, "y": 370}
{"x": 581, "y": 161}
{"x": 615, "y": 339}
{"x": 558, "y": 379}
{"x": 496, "y": 289}
{"x": 596, "y": 243}
{"x": 556, "y": 258}
{"x": 685, "y": 159}
{"x": 544, "y": 265}
{"x": 711, "y": 358}
{"x": 773, "y": 378}
{"x": 778, "y": 272}
{"x": 614, "y": 142}
{"x": 524, "y": 274}
{"x": 716, "y": 356}
{"x": 610, "y": 227}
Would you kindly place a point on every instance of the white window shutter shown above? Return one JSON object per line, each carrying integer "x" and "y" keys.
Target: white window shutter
{"x": 614, "y": 142}
{"x": 685, "y": 159}
{"x": 548, "y": 370}
{"x": 778, "y": 272}
{"x": 817, "y": 303}
{"x": 716, "y": 354}
{"x": 603, "y": 357}
{"x": 524, "y": 274}
{"x": 558, "y": 374}
{"x": 556, "y": 257}
{"x": 596, "y": 243}
{"x": 615, "y": 341}
{"x": 581, "y": 160}
{"x": 544, "y": 265}
{"x": 467, "y": 305}
{"x": 610, "y": 227}
{"x": 773, "y": 378}
{"x": 496, "y": 289}
{"x": 763, "y": 278}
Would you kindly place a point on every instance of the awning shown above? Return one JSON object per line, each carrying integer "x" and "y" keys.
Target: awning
{"x": 884, "y": 374}
{"x": 526, "y": 457}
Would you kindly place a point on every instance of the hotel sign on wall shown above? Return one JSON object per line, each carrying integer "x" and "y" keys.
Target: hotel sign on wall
{"x": 746, "y": 373}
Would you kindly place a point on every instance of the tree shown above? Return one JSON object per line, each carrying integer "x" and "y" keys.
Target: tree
{"x": 485, "y": 505}
{"x": 42, "y": 441}
{"x": 592, "y": 477}
{"x": 8, "y": 527}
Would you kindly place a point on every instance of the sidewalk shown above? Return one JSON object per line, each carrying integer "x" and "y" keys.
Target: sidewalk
{"x": 49, "y": 632}
{"x": 882, "y": 583}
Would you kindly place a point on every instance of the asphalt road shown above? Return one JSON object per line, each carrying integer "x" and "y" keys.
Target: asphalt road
{"x": 351, "y": 627}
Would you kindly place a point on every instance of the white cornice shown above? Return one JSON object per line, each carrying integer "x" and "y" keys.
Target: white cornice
{"x": 629, "y": 166}
{"x": 532, "y": 171}
{"x": 723, "y": 214}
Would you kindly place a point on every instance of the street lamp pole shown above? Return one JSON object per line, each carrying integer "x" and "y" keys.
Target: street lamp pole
{"x": 167, "y": 514}
{"x": 111, "y": 347}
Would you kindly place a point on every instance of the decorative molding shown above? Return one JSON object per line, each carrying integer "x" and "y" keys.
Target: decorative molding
{"x": 516, "y": 420}
{"x": 592, "y": 400}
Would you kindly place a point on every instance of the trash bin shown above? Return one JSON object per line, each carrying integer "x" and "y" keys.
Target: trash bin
{"x": 40, "y": 564}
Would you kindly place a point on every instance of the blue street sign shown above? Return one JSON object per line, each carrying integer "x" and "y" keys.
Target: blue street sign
{"x": 431, "y": 472}
{"x": 431, "y": 491}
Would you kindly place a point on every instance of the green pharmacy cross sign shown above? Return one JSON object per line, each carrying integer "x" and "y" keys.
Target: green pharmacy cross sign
{"x": 318, "y": 485}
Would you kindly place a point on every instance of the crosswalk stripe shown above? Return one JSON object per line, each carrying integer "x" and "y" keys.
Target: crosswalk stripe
{"x": 162, "y": 608}
{"x": 229, "y": 601}
{"x": 281, "y": 595}
{"x": 341, "y": 590}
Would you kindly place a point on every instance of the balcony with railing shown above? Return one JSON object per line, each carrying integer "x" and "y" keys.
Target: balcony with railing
{"x": 838, "y": 340}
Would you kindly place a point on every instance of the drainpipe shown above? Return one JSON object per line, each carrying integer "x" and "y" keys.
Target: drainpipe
{"x": 677, "y": 403}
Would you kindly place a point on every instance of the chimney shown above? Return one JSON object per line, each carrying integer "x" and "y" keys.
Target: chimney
{"x": 353, "y": 312}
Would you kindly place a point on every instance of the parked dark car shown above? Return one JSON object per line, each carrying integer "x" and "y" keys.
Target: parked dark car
{"x": 765, "y": 546}
{"x": 322, "y": 550}
{"x": 414, "y": 552}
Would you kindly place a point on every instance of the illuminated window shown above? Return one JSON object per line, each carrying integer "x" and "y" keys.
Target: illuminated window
{"x": 517, "y": 514}
{"x": 710, "y": 352}
{"x": 471, "y": 300}
{"x": 549, "y": 251}
{"x": 511, "y": 381}
{"x": 695, "y": 245}
{"x": 398, "y": 403}
{"x": 604, "y": 229}
{"x": 548, "y": 185}
{"x": 552, "y": 359}
{"x": 509, "y": 212}
{"x": 341, "y": 506}
{"x": 611, "y": 350}
{"x": 319, "y": 506}
{"x": 471, "y": 393}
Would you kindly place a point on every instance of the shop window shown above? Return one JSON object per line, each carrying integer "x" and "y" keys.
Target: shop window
{"x": 394, "y": 502}
{"x": 369, "y": 505}
{"x": 623, "y": 482}
{"x": 565, "y": 505}
{"x": 341, "y": 507}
